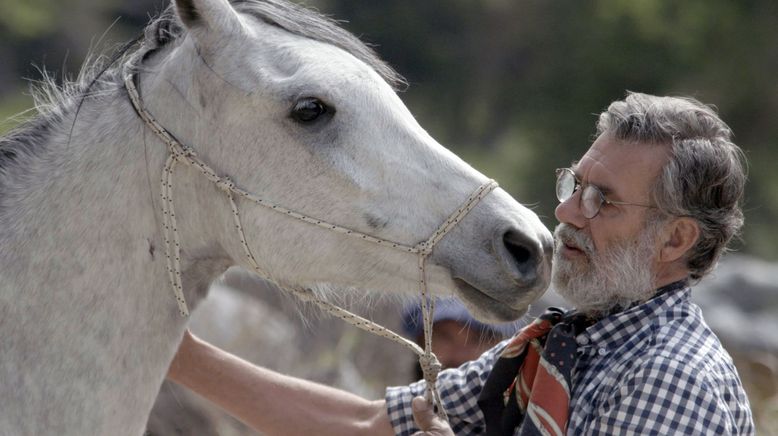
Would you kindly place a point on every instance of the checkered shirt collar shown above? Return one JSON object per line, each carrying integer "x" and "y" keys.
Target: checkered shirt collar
{"x": 615, "y": 329}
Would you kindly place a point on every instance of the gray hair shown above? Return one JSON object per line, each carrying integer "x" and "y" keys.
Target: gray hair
{"x": 705, "y": 176}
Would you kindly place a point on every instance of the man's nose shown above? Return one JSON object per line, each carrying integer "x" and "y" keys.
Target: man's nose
{"x": 569, "y": 211}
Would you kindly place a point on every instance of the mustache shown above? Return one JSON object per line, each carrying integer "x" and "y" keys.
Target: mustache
{"x": 568, "y": 235}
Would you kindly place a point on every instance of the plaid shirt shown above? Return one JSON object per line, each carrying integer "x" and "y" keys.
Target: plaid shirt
{"x": 656, "y": 368}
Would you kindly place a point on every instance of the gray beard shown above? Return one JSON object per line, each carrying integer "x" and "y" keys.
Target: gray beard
{"x": 605, "y": 281}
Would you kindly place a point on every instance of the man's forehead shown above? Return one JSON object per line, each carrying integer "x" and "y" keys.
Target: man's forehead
{"x": 597, "y": 163}
{"x": 610, "y": 163}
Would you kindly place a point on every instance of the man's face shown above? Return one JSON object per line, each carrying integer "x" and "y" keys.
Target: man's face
{"x": 609, "y": 260}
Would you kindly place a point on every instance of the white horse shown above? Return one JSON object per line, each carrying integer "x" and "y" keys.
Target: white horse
{"x": 290, "y": 107}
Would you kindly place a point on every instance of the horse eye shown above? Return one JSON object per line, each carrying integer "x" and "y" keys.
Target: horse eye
{"x": 307, "y": 110}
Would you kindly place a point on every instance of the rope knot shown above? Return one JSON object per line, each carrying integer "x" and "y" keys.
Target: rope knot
{"x": 225, "y": 184}
{"x": 431, "y": 367}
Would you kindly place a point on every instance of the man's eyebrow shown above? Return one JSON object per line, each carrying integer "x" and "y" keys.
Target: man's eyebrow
{"x": 606, "y": 190}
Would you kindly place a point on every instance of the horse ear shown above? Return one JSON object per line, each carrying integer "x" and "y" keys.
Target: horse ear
{"x": 215, "y": 15}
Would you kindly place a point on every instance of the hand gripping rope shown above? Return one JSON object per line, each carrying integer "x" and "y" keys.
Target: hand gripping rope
{"x": 180, "y": 153}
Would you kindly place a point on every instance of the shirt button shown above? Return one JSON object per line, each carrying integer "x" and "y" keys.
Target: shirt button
{"x": 602, "y": 351}
{"x": 582, "y": 340}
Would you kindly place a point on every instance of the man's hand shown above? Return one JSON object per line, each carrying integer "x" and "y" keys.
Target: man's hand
{"x": 426, "y": 419}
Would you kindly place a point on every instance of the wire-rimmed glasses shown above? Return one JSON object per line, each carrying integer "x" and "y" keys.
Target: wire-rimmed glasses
{"x": 591, "y": 199}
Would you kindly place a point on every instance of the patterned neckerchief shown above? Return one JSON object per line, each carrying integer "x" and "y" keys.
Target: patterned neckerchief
{"x": 529, "y": 386}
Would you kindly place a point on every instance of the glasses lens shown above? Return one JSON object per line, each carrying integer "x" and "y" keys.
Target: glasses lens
{"x": 565, "y": 185}
{"x": 591, "y": 200}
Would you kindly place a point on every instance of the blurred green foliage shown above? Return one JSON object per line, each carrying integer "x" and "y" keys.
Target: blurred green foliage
{"x": 28, "y": 19}
{"x": 11, "y": 111}
{"x": 512, "y": 86}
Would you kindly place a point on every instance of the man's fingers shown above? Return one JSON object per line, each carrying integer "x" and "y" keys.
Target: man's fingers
{"x": 426, "y": 419}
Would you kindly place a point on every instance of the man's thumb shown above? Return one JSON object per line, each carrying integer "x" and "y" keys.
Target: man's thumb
{"x": 423, "y": 413}
{"x": 426, "y": 419}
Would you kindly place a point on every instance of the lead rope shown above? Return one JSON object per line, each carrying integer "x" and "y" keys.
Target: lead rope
{"x": 179, "y": 153}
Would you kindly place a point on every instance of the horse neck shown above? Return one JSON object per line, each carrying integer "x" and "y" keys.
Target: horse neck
{"x": 86, "y": 309}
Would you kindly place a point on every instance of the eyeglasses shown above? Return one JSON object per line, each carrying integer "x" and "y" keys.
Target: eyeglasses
{"x": 591, "y": 199}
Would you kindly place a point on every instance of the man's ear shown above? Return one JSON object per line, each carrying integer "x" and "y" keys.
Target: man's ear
{"x": 216, "y": 16}
{"x": 679, "y": 236}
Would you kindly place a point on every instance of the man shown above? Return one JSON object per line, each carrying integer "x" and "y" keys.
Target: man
{"x": 644, "y": 214}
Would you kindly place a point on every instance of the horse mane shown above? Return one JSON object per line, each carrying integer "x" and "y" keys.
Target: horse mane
{"x": 99, "y": 74}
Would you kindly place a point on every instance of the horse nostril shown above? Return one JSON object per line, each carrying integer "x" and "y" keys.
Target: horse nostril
{"x": 519, "y": 252}
{"x": 523, "y": 254}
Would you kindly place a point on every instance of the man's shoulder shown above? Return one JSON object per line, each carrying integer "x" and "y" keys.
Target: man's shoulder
{"x": 683, "y": 357}
{"x": 683, "y": 335}
{"x": 673, "y": 347}
{"x": 680, "y": 337}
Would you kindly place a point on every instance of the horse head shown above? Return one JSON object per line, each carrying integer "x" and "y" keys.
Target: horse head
{"x": 298, "y": 111}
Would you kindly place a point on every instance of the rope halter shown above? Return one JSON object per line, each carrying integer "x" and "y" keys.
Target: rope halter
{"x": 178, "y": 153}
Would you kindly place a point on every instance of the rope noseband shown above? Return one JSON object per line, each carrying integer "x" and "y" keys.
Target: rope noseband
{"x": 179, "y": 153}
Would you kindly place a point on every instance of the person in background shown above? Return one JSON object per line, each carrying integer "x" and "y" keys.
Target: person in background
{"x": 457, "y": 337}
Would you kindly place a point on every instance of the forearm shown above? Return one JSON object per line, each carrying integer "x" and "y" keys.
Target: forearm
{"x": 273, "y": 403}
